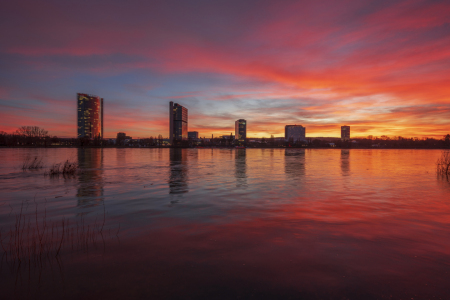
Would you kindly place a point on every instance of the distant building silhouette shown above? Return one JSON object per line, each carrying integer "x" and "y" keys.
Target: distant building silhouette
{"x": 345, "y": 133}
{"x": 121, "y": 137}
{"x": 240, "y": 132}
{"x": 193, "y": 135}
{"x": 178, "y": 123}
{"x": 295, "y": 133}
{"x": 90, "y": 116}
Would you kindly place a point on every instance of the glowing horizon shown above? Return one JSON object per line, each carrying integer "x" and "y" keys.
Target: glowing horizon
{"x": 381, "y": 68}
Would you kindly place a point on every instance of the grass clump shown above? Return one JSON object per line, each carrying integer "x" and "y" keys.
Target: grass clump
{"x": 443, "y": 164}
{"x": 33, "y": 239}
{"x": 32, "y": 163}
{"x": 66, "y": 168}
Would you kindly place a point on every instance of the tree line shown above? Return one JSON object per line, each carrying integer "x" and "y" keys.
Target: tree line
{"x": 26, "y": 136}
{"x": 33, "y": 136}
{"x": 383, "y": 142}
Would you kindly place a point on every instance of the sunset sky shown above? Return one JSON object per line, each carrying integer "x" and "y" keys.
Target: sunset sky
{"x": 382, "y": 67}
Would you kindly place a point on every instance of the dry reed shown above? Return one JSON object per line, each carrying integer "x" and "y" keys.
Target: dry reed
{"x": 32, "y": 164}
{"x": 33, "y": 239}
{"x": 66, "y": 168}
{"x": 443, "y": 164}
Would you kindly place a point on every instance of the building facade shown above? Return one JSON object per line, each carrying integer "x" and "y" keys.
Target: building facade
{"x": 345, "y": 133}
{"x": 240, "y": 127}
{"x": 294, "y": 133}
{"x": 193, "y": 135}
{"x": 178, "y": 123}
{"x": 90, "y": 116}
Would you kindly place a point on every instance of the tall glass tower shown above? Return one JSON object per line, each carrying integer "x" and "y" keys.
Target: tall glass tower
{"x": 240, "y": 127}
{"x": 90, "y": 116}
{"x": 178, "y": 123}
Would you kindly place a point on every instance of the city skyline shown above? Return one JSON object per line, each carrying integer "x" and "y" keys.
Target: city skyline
{"x": 381, "y": 68}
{"x": 178, "y": 123}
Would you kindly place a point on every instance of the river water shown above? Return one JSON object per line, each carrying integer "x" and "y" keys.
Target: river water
{"x": 225, "y": 223}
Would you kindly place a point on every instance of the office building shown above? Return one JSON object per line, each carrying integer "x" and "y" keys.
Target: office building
{"x": 240, "y": 127}
{"x": 345, "y": 133}
{"x": 178, "y": 123}
{"x": 294, "y": 133}
{"x": 90, "y": 116}
{"x": 123, "y": 136}
{"x": 193, "y": 135}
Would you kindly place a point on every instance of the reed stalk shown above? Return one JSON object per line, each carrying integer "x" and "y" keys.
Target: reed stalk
{"x": 443, "y": 164}
{"x": 32, "y": 163}
{"x": 66, "y": 168}
{"x": 37, "y": 240}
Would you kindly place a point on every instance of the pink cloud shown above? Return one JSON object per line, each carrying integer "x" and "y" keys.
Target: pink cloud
{"x": 321, "y": 55}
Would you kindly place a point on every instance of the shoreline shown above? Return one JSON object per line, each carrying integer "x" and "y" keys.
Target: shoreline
{"x": 218, "y": 147}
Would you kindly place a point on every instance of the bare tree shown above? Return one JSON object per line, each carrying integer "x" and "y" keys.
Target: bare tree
{"x": 32, "y": 135}
{"x": 32, "y": 131}
{"x": 447, "y": 140}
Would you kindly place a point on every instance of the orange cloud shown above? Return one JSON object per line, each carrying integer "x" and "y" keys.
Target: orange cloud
{"x": 383, "y": 69}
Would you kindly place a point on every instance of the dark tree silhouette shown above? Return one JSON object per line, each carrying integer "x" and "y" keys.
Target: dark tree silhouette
{"x": 32, "y": 135}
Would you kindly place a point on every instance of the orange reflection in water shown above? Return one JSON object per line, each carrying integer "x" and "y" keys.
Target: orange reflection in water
{"x": 90, "y": 186}
{"x": 290, "y": 255}
{"x": 270, "y": 223}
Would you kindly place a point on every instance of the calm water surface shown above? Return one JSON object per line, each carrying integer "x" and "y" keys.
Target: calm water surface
{"x": 226, "y": 223}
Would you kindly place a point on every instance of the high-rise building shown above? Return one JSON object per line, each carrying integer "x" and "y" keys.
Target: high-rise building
{"x": 193, "y": 135}
{"x": 345, "y": 133}
{"x": 90, "y": 116}
{"x": 295, "y": 133}
{"x": 178, "y": 123}
{"x": 240, "y": 127}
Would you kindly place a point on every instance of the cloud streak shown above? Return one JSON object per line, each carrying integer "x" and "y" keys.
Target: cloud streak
{"x": 381, "y": 67}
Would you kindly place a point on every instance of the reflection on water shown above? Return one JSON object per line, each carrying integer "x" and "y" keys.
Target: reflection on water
{"x": 261, "y": 224}
{"x": 240, "y": 168}
{"x": 121, "y": 156}
{"x": 178, "y": 172}
{"x": 294, "y": 162}
{"x": 345, "y": 162}
{"x": 90, "y": 183}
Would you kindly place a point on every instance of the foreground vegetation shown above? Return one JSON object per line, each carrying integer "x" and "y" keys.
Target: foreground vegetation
{"x": 66, "y": 168}
{"x": 443, "y": 164}
{"x": 32, "y": 163}
{"x": 34, "y": 239}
